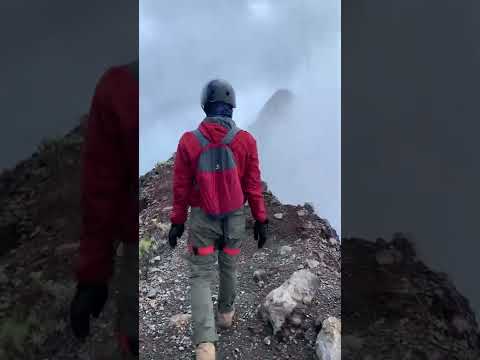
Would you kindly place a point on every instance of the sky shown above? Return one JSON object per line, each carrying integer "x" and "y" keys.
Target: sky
{"x": 50, "y": 67}
{"x": 258, "y": 46}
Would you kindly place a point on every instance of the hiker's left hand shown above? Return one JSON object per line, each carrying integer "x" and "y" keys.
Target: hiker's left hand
{"x": 260, "y": 232}
{"x": 89, "y": 300}
{"x": 176, "y": 231}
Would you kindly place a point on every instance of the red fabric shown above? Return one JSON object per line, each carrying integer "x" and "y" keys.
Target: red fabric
{"x": 244, "y": 149}
{"x": 222, "y": 192}
{"x": 203, "y": 251}
{"x": 230, "y": 251}
{"x": 110, "y": 174}
{"x": 123, "y": 342}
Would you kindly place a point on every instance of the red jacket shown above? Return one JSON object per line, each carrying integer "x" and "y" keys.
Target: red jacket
{"x": 110, "y": 173}
{"x": 244, "y": 149}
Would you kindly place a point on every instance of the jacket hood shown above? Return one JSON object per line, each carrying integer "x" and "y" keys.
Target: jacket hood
{"x": 215, "y": 128}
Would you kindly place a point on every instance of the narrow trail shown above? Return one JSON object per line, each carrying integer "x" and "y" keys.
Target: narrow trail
{"x": 298, "y": 236}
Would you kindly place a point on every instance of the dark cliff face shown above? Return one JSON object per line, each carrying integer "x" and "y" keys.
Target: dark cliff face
{"x": 398, "y": 305}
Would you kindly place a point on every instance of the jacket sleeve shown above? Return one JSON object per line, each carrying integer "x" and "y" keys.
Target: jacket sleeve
{"x": 100, "y": 190}
{"x": 253, "y": 184}
{"x": 182, "y": 183}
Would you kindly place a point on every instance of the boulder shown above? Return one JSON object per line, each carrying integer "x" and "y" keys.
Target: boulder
{"x": 328, "y": 344}
{"x": 280, "y": 302}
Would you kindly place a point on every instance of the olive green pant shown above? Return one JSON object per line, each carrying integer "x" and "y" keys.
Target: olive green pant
{"x": 204, "y": 233}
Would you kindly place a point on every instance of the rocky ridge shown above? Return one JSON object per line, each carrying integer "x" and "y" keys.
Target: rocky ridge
{"x": 39, "y": 234}
{"x": 301, "y": 243}
{"x": 398, "y": 308}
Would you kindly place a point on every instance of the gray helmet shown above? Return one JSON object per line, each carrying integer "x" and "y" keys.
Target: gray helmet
{"x": 218, "y": 90}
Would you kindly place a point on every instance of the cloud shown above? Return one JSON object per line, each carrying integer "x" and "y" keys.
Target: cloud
{"x": 259, "y": 46}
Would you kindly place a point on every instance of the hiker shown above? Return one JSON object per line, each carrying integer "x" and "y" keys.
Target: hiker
{"x": 110, "y": 208}
{"x": 216, "y": 171}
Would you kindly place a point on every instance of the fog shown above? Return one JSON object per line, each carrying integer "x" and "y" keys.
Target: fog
{"x": 260, "y": 47}
{"x": 410, "y": 131}
{"x": 53, "y": 53}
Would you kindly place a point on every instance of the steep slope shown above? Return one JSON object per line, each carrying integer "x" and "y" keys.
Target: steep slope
{"x": 398, "y": 308}
{"x": 297, "y": 235}
{"x": 39, "y": 230}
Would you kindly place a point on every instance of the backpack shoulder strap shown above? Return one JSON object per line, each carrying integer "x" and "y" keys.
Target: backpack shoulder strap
{"x": 203, "y": 140}
{"x": 230, "y": 135}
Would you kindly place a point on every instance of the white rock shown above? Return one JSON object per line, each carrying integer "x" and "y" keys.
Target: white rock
{"x": 163, "y": 227}
{"x": 152, "y": 293}
{"x": 278, "y": 216}
{"x": 312, "y": 264}
{"x": 180, "y": 320}
{"x": 307, "y": 300}
{"x": 301, "y": 212}
{"x": 328, "y": 344}
{"x": 308, "y": 225}
{"x": 259, "y": 275}
{"x": 281, "y": 301}
{"x": 284, "y": 250}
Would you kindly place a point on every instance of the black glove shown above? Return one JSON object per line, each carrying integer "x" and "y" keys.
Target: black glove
{"x": 260, "y": 232}
{"x": 176, "y": 231}
{"x": 89, "y": 300}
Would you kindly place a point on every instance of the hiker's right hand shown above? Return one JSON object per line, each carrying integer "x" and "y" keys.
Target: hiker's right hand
{"x": 176, "y": 231}
{"x": 89, "y": 300}
{"x": 260, "y": 232}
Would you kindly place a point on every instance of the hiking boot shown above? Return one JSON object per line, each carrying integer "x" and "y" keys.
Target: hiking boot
{"x": 225, "y": 320}
{"x": 205, "y": 351}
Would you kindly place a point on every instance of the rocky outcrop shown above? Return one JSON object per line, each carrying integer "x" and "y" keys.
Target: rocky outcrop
{"x": 39, "y": 233}
{"x": 280, "y": 302}
{"x": 328, "y": 344}
{"x": 395, "y": 305}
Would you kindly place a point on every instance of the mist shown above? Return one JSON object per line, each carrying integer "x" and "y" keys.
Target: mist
{"x": 259, "y": 47}
{"x": 53, "y": 54}
{"x": 411, "y": 106}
